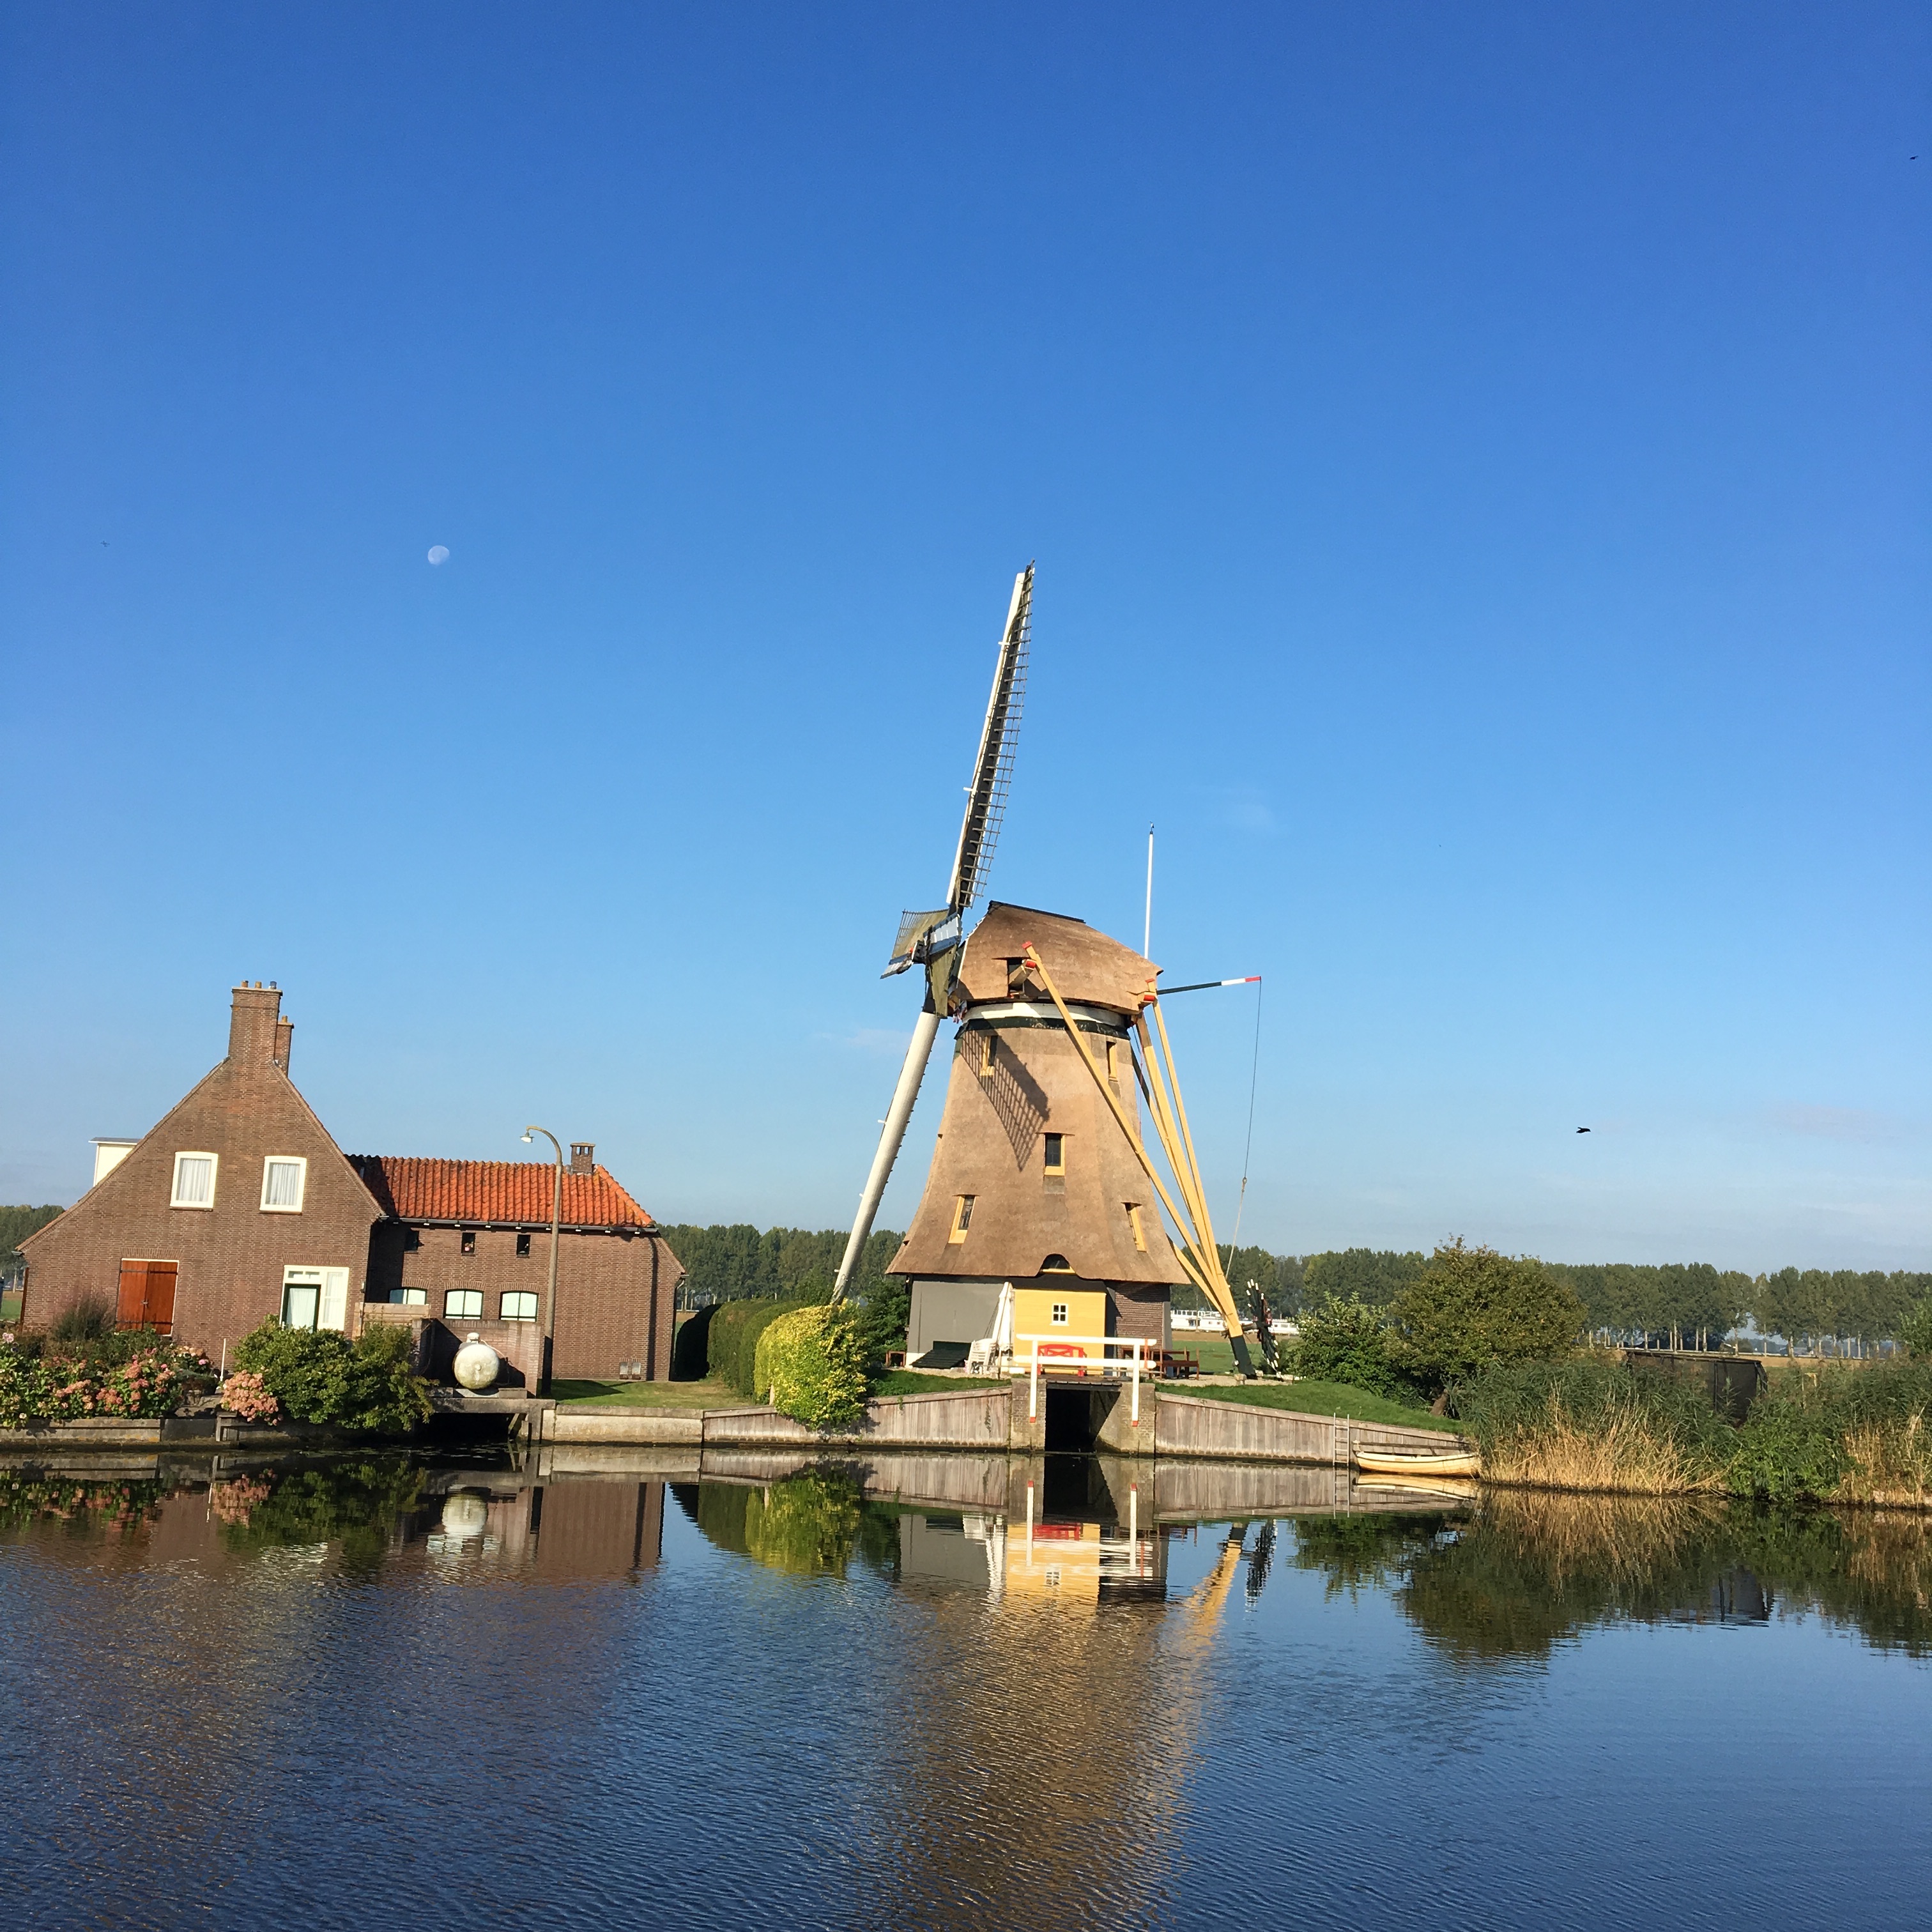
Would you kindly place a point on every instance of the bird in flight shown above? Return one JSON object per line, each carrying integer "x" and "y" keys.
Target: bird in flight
{"x": 1583, "y": 1130}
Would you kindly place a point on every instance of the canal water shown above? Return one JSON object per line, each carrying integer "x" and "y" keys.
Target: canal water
{"x": 966, "y": 1692}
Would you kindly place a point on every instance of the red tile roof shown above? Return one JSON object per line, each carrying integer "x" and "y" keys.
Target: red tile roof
{"x": 494, "y": 1193}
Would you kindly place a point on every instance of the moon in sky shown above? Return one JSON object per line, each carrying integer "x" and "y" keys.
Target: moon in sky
{"x": 438, "y": 553}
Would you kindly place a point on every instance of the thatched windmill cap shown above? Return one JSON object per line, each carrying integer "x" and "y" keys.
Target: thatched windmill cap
{"x": 1090, "y": 969}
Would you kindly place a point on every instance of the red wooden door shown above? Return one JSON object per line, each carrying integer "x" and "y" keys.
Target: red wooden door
{"x": 148, "y": 1295}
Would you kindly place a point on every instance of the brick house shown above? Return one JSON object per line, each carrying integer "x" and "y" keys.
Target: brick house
{"x": 238, "y": 1208}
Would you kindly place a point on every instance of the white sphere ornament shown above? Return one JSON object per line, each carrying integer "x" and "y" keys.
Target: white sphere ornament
{"x": 477, "y": 1364}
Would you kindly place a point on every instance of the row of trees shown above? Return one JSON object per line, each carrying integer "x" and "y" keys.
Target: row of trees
{"x": 732, "y": 1264}
{"x": 1682, "y": 1300}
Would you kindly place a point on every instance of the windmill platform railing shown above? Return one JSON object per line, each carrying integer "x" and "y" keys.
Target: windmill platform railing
{"x": 1061, "y": 1353}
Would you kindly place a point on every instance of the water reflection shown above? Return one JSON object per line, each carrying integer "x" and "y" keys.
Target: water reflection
{"x": 970, "y": 1690}
{"x": 1496, "y": 1574}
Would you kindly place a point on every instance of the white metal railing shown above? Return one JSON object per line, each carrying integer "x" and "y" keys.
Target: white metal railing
{"x": 1109, "y": 1366}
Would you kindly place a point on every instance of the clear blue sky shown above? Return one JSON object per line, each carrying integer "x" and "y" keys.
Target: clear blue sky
{"x": 1478, "y": 461}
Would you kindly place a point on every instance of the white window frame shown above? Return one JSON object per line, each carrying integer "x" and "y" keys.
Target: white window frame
{"x": 450, "y": 1314}
{"x": 519, "y": 1295}
{"x": 300, "y": 1163}
{"x": 1059, "y": 1312}
{"x": 214, "y": 1178}
{"x": 331, "y": 1295}
{"x": 409, "y": 1297}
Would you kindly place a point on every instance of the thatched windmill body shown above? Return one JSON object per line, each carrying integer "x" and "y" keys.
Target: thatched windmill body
{"x": 1034, "y": 1182}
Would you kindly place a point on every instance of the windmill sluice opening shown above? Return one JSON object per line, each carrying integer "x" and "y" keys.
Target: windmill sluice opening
{"x": 1075, "y": 1416}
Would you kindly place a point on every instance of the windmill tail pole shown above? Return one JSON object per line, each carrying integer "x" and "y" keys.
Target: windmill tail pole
{"x": 891, "y": 1136}
{"x": 1203, "y": 1265}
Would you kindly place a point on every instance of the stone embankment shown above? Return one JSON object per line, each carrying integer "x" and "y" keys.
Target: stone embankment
{"x": 988, "y": 1421}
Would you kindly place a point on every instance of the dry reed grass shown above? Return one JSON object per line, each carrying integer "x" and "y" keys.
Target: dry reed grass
{"x": 1621, "y": 1454}
{"x": 1891, "y": 1464}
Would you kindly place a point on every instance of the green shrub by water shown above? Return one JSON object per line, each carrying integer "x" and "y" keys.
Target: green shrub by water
{"x": 731, "y": 1348}
{"x": 319, "y": 1376}
{"x": 810, "y": 1366}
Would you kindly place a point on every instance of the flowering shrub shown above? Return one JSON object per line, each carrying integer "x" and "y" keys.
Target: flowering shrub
{"x": 151, "y": 1382}
{"x": 245, "y": 1394}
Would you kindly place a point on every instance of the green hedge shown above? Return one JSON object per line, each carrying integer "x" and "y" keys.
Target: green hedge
{"x": 731, "y": 1349}
{"x": 810, "y": 1366}
{"x": 319, "y": 1376}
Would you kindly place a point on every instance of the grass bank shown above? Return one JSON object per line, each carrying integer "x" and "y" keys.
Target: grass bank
{"x": 1314, "y": 1398}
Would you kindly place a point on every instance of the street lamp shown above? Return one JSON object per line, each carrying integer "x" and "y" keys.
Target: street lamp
{"x": 556, "y": 1216}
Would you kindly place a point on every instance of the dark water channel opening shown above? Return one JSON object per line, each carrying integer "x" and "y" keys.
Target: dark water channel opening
{"x": 1075, "y": 1416}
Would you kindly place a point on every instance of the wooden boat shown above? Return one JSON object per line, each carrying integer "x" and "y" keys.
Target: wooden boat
{"x": 1399, "y": 1463}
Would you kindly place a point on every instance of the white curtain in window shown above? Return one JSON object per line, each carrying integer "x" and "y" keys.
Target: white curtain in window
{"x": 285, "y": 1184}
{"x": 194, "y": 1179}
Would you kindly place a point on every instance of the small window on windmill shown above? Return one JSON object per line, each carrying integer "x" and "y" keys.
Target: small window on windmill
{"x": 1060, "y": 1314}
{"x": 986, "y": 1046}
{"x": 1017, "y": 988}
{"x": 1114, "y": 1050}
{"x": 962, "y": 1218}
{"x": 1056, "y": 1152}
{"x": 1134, "y": 1222}
{"x": 1056, "y": 1264}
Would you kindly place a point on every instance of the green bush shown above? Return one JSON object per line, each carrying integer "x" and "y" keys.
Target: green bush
{"x": 1805, "y": 1434}
{"x": 810, "y": 1366}
{"x": 1471, "y": 1308}
{"x": 731, "y": 1349}
{"x": 322, "y": 1377}
{"x": 139, "y": 1376}
{"x": 1915, "y": 1330}
{"x": 883, "y": 1320}
{"x": 1347, "y": 1341}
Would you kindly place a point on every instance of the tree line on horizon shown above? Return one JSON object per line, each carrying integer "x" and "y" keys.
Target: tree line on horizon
{"x": 1680, "y": 1299}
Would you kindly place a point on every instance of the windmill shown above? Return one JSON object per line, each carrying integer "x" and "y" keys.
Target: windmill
{"x": 933, "y": 939}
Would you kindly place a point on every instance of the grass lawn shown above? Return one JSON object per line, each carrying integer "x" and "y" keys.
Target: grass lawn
{"x": 1312, "y": 1398}
{"x": 692, "y": 1395}
{"x": 910, "y": 1381}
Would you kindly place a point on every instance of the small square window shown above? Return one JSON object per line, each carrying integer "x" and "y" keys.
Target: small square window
{"x": 1056, "y": 1153}
{"x": 412, "y": 1240}
{"x": 523, "y": 1247}
{"x": 520, "y": 1305}
{"x": 284, "y": 1180}
{"x": 194, "y": 1180}
{"x": 407, "y": 1297}
{"x": 962, "y": 1218}
{"x": 469, "y": 1242}
{"x": 465, "y": 1303}
{"x": 1060, "y": 1315}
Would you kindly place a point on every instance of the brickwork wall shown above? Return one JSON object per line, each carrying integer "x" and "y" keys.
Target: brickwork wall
{"x": 232, "y": 1255}
{"x": 1137, "y": 1308}
{"x": 614, "y": 1292}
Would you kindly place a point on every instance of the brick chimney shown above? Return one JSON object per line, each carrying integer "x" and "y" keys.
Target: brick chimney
{"x": 252, "y": 1027}
{"x": 583, "y": 1156}
{"x": 285, "y": 1040}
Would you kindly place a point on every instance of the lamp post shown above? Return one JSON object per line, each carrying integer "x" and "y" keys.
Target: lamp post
{"x": 556, "y": 1216}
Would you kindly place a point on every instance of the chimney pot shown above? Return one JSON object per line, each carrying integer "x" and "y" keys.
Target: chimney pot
{"x": 583, "y": 1156}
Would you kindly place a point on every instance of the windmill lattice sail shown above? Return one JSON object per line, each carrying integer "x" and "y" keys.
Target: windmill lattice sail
{"x": 932, "y": 940}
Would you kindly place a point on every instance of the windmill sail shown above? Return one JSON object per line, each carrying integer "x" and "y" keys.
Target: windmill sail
{"x": 932, "y": 939}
